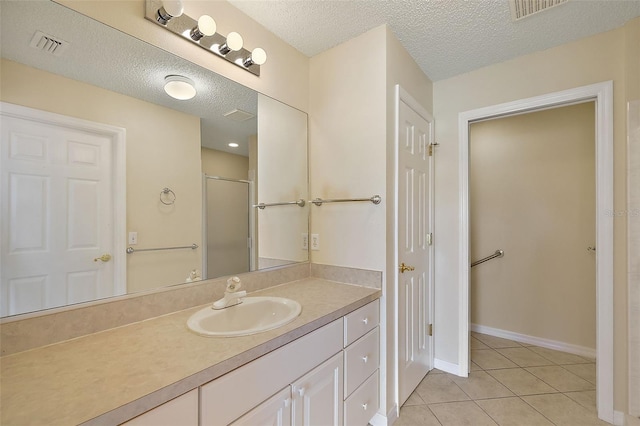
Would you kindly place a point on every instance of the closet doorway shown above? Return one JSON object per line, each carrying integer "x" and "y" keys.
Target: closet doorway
{"x": 602, "y": 94}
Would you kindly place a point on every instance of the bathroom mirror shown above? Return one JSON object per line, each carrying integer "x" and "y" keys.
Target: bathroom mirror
{"x": 83, "y": 107}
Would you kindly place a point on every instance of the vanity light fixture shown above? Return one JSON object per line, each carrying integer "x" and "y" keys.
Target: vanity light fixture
{"x": 233, "y": 42}
{"x": 258, "y": 57}
{"x": 170, "y": 15}
{"x": 206, "y": 27}
{"x": 168, "y": 10}
{"x": 233, "y": 144}
{"x": 179, "y": 87}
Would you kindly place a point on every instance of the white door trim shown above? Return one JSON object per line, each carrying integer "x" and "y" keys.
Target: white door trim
{"x": 404, "y": 96}
{"x": 602, "y": 94}
{"x": 118, "y": 137}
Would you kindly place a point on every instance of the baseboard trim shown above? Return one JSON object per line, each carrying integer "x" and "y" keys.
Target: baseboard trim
{"x": 380, "y": 420}
{"x": 447, "y": 367}
{"x": 538, "y": 341}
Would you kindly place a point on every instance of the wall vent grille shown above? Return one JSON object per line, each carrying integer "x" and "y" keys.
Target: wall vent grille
{"x": 48, "y": 43}
{"x": 521, "y": 9}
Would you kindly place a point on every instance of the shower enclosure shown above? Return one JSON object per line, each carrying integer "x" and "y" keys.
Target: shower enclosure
{"x": 228, "y": 227}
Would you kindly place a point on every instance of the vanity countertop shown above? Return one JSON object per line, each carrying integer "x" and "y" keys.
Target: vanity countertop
{"x": 112, "y": 376}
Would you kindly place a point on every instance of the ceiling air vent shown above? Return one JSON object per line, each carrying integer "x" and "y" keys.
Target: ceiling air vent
{"x": 521, "y": 9}
{"x": 239, "y": 115}
{"x": 48, "y": 43}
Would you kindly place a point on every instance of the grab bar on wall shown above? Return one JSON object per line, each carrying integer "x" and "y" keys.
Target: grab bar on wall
{"x": 299, "y": 203}
{"x": 192, "y": 247}
{"x": 498, "y": 253}
{"x": 376, "y": 199}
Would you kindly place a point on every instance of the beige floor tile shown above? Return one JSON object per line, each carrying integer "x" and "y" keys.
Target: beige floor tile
{"x": 480, "y": 385}
{"x": 585, "y": 398}
{"x": 585, "y": 371}
{"x": 561, "y": 379}
{"x": 513, "y": 411}
{"x": 461, "y": 414}
{"x": 477, "y": 344}
{"x": 521, "y": 382}
{"x": 436, "y": 371}
{"x": 524, "y": 357}
{"x": 475, "y": 367}
{"x": 414, "y": 399}
{"x": 414, "y": 415}
{"x": 562, "y": 410}
{"x": 440, "y": 388}
{"x": 495, "y": 342}
{"x": 488, "y": 359}
{"x": 559, "y": 357}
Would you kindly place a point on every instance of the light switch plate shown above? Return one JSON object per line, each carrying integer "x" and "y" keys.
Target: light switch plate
{"x": 133, "y": 238}
{"x": 315, "y": 242}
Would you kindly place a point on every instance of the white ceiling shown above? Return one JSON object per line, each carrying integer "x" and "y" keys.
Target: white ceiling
{"x": 445, "y": 37}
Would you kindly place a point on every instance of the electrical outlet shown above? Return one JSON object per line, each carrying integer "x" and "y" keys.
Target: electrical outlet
{"x": 305, "y": 241}
{"x": 315, "y": 242}
{"x": 133, "y": 238}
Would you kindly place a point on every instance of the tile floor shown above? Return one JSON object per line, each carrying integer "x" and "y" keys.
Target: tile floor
{"x": 511, "y": 384}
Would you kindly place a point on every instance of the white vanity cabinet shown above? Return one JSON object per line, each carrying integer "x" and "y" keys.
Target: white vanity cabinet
{"x": 327, "y": 377}
{"x": 182, "y": 410}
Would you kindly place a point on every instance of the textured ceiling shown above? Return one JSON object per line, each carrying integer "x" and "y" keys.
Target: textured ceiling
{"x": 125, "y": 65}
{"x": 445, "y": 37}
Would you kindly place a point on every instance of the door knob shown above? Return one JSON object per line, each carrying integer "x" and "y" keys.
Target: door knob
{"x": 404, "y": 267}
{"x": 105, "y": 258}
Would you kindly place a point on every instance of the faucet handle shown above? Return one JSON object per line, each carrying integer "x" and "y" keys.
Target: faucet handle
{"x": 233, "y": 284}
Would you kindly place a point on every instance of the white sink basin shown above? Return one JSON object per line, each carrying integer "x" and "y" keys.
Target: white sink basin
{"x": 253, "y": 315}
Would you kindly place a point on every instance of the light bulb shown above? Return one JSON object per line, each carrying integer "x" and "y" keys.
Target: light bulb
{"x": 234, "y": 42}
{"x": 179, "y": 87}
{"x": 170, "y": 9}
{"x": 206, "y": 27}
{"x": 233, "y": 145}
{"x": 258, "y": 57}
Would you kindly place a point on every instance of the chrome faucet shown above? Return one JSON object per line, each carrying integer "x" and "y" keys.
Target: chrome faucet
{"x": 231, "y": 295}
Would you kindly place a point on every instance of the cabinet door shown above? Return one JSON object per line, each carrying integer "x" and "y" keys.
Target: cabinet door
{"x": 318, "y": 395}
{"x": 275, "y": 411}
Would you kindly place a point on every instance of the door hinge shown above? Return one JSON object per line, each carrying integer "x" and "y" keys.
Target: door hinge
{"x": 430, "y": 149}
{"x": 429, "y": 238}
{"x": 430, "y": 330}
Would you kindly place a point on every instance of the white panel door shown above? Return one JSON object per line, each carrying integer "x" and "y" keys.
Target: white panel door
{"x": 56, "y": 216}
{"x": 318, "y": 396}
{"x": 414, "y": 222}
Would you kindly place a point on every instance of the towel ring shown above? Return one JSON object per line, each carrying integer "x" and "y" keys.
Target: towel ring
{"x": 169, "y": 197}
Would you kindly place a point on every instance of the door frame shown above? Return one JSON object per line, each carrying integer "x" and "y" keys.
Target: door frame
{"x": 602, "y": 94}
{"x": 117, "y": 136}
{"x": 402, "y": 95}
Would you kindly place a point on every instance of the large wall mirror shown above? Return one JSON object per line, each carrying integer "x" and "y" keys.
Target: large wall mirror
{"x": 109, "y": 186}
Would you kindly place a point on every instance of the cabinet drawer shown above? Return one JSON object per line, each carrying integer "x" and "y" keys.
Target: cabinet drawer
{"x": 361, "y": 321}
{"x": 361, "y": 359}
{"x": 360, "y": 407}
{"x": 182, "y": 410}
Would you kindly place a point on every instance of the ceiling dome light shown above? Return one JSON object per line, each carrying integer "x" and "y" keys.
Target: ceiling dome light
{"x": 233, "y": 145}
{"x": 234, "y": 42}
{"x": 179, "y": 87}
{"x": 206, "y": 27}
{"x": 258, "y": 57}
{"x": 170, "y": 9}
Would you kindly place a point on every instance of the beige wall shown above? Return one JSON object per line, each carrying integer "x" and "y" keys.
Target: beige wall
{"x": 156, "y": 158}
{"x": 590, "y": 60}
{"x": 532, "y": 194}
{"x": 284, "y": 76}
{"x": 352, "y": 133}
{"x": 224, "y": 164}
